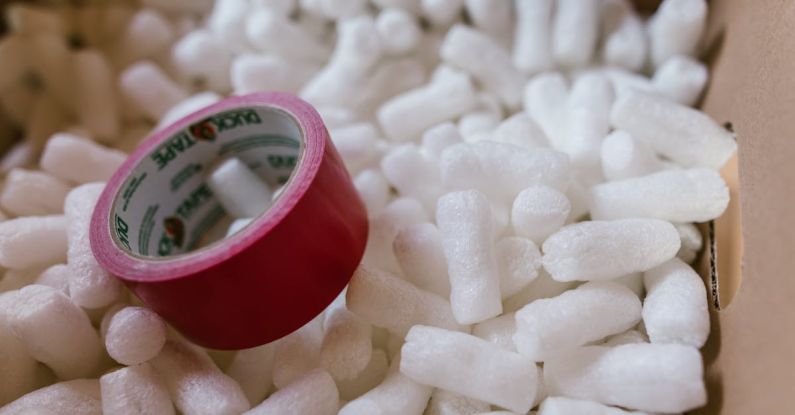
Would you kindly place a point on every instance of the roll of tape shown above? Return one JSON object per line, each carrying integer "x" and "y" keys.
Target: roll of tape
{"x": 268, "y": 279}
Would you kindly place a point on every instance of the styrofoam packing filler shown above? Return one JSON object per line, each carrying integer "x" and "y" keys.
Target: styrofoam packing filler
{"x": 516, "y": 191}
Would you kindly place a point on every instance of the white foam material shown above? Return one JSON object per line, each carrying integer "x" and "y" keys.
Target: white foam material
{"x": 486, "y": 60}
{"x": 518, "y": 260}
{"x": 74, "y": 397}
{"x": 498, "y": 330}
{"x": 477, "y": 125}
{"x": 357, "y": 144}
{"x": 407, "y": 115}
{"x": 542, "y": 287}
{"x": 80, "y": 160}
{"x": 676, "y": 28}
{"x": 253, "y": 72}
{"x": 31, "y": 192}
{"x": 298, "y": 353}
{"x": 227, "y": 20}
{"x": 448, "y": 403}
{"x": 203, "y": 59}
{"x": 545, "y": 99}
{"x": 682, "y": 79}
{"x": 539, "y": 211}
{"x": 195, "y": 384}
{"x": 633, "y": 281}
{"x": 501, "y": 170}
{"x": 240, "y": 191}
{"x": 413, "y": 174}
{"x": 411, "y": 6}
{"x": 587, "y": 121}
{"x": 135, "y": 335}
{"x": 465, "y": 224}
{"x": 252, "y": 369}
{"x": 269, "y": 32}
{"x": 314, "y": 393}
{"x": 346, "y": 347}
{"x": 648, "y": 377}
{"x": 387, "y": 301}
{"x": 558, "y": 405}
{"x": 691, "y": 242}
{"x": 594, "y": 310}
{"x": 576, "y": 252}
{"x": 95, "y": 96}
{"x": 623, "y": 157}
{"x": 675, "y": 308}
{"x": 56, "y": 276}
{"x": 89, "y": 284}
{"x": 396, "y": 395}
{"x": 159, "y": 94}
{"x": 134, "y": 390}
{"x": 520, "y": 130}
{"x": 418, "y": 249}
{"x": 470, "y": 366}
{"x": 373, "y": 189}
{"x": 494, "y": 19}
{"x": 372, "y": 374}
{"x": 146, "y": 35}
{"x": 188, "y": 106}
{"x": 627, "y": 337}
{"x": 442, "y": 13}
{"x": 685, "y": 135}
{"x": 17, "y": 364}
{"x": 532, "y": 52}
{"x": 575, "y": 31}
{"x": 237, "y": 225}
{"x": 55, "y": 331}
{"x": 689, "y": 195}
{"x": 34, "y": 241}
{"x": 624, "y": 43}
{"x": 400, "y": 213}
{"x": 399, "y": 31}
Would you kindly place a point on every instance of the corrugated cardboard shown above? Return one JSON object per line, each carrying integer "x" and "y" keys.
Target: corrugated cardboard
{"x": 750, "y": 355}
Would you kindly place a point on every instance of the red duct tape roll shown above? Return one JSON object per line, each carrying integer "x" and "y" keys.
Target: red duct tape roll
{"x": 268, "y": 279}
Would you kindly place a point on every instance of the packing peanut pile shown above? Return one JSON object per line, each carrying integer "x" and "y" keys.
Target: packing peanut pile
{"x": 532, "y": 172}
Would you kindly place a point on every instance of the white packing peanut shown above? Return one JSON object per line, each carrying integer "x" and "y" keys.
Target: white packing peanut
{"x": 465, "y": 224}
{"x": 623, "y": 157}
{"x": 418, "y": 249}
{"x": 520, "y": 130}
{"x": 532, "y": 52}
{"x": 413, "y": 174}
{"x": 18, "y": 365}
{"x": 486, "y": 60}
{"x": 149, "y": 89}
{"x": 252, "y": 72}
{"x": 134, "y": 390}
{"x": 55, "y": 331}
{"x": 80, "y": 160}
{"x": 179, "y": 6}
{"x": 575, "y": 31}
{"x": 675, "y": 308}
{"x": 399, "y": 31}
{"x": 357, "y": 144}
{"x": 547, "y": 327}
{"x": 387, "y": 79}
{"x": 492, "y": 18}
{"x": 298, "y": 353}
{"x": 436, "y": 139}
{"x": 74, "y": 397}
{"x": 627, "y": 337}
{"x": 577, "y": 251}
{"x": 146, "y": 35}
{"x": 545, "y": 100}
{"x": 687, "y": 195}
{"x": 34, "y": 241}
{"x": 373, "y": 374}
{"x": 240, "y": 191}
{"x": 314, "y": 393}
{"x": 539, "y": 211}
{"x": 684, "y": 135}
{"x": 624, "y": 43}
{"x": 202, "y": 59}
{"x": 676, "y": 28}
{"x": 96, "y": 100}
{"x": 498, "y": 330}
{"x": 649, "y": 377}
{"x": 633, "y": 281}
{"x": 681, "y": 78}
{"x": 470, "y": 366}
{"x": 385, "y": 300}
{"x": 30, "y": 192}
{"x": 195, "y": 384}
{"x": 227, "y": 20}
{"x": 135, "y": 335}
{"x": 411, "y": 6}
{"x": 90, "y": 285}
{"x": 373, "y": 189}
{"x": 395, "y": 395}
{"x": 587, "y": 122}
{"x": 188, "y": 106}
{"x": 56, "y": 276}
{"x": 691, "y": 242}
{"x": 518, "y": 259}
{"x": 252, "y": 369}
{"x": 237, "y": 225}
{"x": 558, "y": 405}
{"x": 449, "y": 403}
{"x": 269, "y": 32}
{"x": 400, "y": 213}
{"x": 408, "y": 115}
{"x": 442, "y": 13}
{"x": 347, "y": 345}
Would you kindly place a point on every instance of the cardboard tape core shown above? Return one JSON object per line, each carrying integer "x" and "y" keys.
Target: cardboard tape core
{"x": 165, "y": 208}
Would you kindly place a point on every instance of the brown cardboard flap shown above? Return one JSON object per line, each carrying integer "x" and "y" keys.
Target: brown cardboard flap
{"x": 751, "y": 352}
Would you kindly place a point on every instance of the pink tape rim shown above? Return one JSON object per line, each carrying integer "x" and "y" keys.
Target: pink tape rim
{"x": 118, "y": 262}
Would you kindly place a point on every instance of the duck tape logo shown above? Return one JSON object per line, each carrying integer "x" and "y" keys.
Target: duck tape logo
{"x": 204, "y": 130}
{"x": 174, "y": 226}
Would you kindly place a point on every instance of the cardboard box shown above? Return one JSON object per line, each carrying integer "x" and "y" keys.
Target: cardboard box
{"x": 750, "y": 355}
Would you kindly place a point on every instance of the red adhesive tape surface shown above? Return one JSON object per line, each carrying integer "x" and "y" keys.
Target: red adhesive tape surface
{"x": 151, "y": 225}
